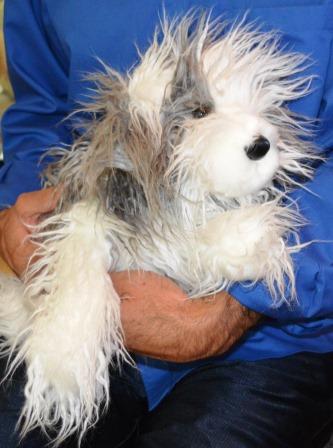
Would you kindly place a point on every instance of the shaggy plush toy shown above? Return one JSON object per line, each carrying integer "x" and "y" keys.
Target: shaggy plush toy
{"x": 184, "y": 169}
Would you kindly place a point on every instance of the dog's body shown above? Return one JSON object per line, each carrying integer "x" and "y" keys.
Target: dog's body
{"x": 184, "y": 169}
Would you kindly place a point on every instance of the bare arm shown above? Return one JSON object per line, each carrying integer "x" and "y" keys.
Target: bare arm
{"x": 158, "y": 319}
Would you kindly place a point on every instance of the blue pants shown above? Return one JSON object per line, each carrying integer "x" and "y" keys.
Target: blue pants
{"x": 279, "y": 403}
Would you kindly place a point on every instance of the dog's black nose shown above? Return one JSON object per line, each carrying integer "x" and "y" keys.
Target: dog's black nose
{"x": 258, "y": 149}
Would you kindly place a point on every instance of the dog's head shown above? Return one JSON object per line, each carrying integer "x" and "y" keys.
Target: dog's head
{"x": 205, "y": 107}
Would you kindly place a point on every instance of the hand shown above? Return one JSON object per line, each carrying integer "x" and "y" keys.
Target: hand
{"x": 15, "y": 246}
{"x": 160, "y": 321}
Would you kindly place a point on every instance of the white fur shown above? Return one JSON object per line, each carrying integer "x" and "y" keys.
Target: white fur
{"x": 248, "y": 244}
{"x": 14, "y": 312}
{"x": 217, "y": 153}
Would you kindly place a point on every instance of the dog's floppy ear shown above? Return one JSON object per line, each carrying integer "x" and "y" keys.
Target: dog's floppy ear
{"x": 151, "y": 77}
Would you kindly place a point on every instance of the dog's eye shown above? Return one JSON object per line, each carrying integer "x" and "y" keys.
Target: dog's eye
{"x": 201, "y": 111}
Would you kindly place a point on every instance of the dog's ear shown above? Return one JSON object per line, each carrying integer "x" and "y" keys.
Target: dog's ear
{"x": 149, "y": 81}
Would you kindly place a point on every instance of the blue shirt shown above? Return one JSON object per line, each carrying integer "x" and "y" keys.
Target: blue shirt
{"x": 51, "y": 45}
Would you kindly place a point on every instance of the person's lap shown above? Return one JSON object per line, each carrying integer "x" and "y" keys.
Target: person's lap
{"x": 272, "y": 403}
{"x": 277, "y": 403}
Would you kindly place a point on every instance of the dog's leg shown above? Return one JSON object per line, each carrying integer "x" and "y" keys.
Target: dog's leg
{"x": 75, "y": 330}
{"x": 250, "y": 244}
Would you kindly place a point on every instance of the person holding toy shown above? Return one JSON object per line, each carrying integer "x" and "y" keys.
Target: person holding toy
{"x": 244, "y": 373}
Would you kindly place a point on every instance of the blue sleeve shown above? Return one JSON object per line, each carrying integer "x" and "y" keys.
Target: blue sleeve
{"x": 314, "y": 264}
{"x": 33, "y": 123}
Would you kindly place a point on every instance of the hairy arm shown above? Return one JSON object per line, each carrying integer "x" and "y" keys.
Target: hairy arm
{"x": 160, "y": 321}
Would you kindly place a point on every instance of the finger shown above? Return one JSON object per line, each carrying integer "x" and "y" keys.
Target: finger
{"x": 38, "y": 202}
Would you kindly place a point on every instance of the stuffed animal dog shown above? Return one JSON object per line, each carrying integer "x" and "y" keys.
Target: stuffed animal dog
{"x": 184, "y": 169}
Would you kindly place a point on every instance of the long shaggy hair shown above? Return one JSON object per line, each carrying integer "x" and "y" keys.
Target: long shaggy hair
{"x": 184, "y": 169}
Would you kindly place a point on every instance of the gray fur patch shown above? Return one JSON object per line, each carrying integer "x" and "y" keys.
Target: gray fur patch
{"x": 125, "y": 196}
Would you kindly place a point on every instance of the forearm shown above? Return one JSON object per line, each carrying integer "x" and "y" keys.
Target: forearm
{"x": 203, "y": 328}
{"x": 161, "y": 322}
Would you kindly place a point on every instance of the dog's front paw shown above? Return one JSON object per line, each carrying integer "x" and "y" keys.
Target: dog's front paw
{"x": 245, "y": 244}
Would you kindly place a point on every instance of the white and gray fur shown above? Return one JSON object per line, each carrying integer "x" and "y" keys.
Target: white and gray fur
{"x": 159, "y": 181}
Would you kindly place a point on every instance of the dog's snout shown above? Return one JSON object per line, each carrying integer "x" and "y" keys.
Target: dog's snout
{"x": 258, "y": 149}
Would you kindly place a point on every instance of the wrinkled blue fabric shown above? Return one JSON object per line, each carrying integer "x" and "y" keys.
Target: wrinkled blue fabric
{"x": 52, "y": 45}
